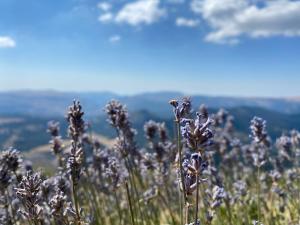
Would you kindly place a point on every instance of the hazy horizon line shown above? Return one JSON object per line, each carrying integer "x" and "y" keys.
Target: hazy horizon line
{"x": 149, "y": 92}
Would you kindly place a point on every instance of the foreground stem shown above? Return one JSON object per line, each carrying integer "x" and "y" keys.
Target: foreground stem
{"x": 181, "y": 170}
{"x": 197, "y": 197}
{"x": 130, "y": 204}
{"x": 76, "y": 203}
{"x": 258, "y": 193}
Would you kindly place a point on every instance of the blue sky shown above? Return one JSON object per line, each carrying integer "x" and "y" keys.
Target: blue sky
{"x": 215, "y": 47}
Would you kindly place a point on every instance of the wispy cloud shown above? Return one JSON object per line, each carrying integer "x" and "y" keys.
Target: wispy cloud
{"x": 105, "y": 6}
{"x": 106, "y": 17}
{"x": 7, "y": 42}
{"x": 140, "y": 12}
{"x": 184, "y": 22}
{"x": 115, "y": 39}
{"x": 231, "y": 19}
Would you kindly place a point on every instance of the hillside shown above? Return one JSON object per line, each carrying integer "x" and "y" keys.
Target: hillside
{"x": 27, "y": 132}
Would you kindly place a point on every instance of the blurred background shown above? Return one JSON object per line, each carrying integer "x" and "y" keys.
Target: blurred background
{"x": 241, "y": 55}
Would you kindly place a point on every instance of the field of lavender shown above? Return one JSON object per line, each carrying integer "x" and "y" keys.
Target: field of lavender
{"x": 206, "y": 174}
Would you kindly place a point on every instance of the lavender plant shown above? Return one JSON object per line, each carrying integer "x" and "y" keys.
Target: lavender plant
{"x": 261, "y": 143}
{"x": 76, "y": 155}
{"x": 28, "y": 193}
{"x": 222, "y": 177}
{"x": 56, "y": 142}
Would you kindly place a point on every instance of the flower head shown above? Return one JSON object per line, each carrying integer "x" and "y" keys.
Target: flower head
{"x": 259, "y": 131}
{"x": 10, "y": 159}
{"x": 76, "y": 123}
{"x": 181, "y": 108}
{"x": 28, "y": 193}
{"x": 196, "y": 132}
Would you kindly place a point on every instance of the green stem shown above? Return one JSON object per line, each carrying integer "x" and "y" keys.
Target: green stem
{"x": 229, "y": 211}
{"x": 181, "y": 170}
{"x": 118, "y": 207}
{"x": 258, "y": 193}
{"x": 167, "y": 206}
{"x": 186, "y": 213}
{"x": 129, "y": 202}
{"x": 75, "y": 202}
{"x": 180, "y": 205}
{"x": 95, "y": 202}
{"x": 134, "y": 189}
{"x": 197, "y": 198}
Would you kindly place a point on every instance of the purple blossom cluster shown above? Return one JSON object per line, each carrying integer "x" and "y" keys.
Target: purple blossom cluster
{"x": 204, "y": 173}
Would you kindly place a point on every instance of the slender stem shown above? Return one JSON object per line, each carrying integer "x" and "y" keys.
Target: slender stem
{"x": 186, "y": 213}
{"x": 229, "y": 211}
{"x": 135, "y": 174}
{"x": 180, "y": 162}
{"x": 131, "y": 168}
{"x": 95, "y": 204}
{"x": 197, "y": 197}
{"x": 169, "y": 195}
{"x": 129, "y": 202}
{"x": 258, "y": 192}
{"x": 167, "y": 206}
{"x": 118, "y": 206}
{"x": 180, "y": 205}
{"x": 135, "y": 195}
{"x": 227, "y": 204}
{"x": 181, "y": 169}
{"x": 75, "y": 202}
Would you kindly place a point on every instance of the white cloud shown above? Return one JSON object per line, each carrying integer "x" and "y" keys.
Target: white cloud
{"x": 7, "y": 42}
{"x": 140, "y": 12}
{"x": 114, "y": 39}
{"x": 106, "y": 17}
{"x": 105, "y": 6}
{"x": 183, "y": 22}
{"x": 231, "y": 19}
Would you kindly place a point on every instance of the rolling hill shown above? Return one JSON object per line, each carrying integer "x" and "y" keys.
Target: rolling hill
{"x": 53, "y": 103}
{"x": 26, "y": 132}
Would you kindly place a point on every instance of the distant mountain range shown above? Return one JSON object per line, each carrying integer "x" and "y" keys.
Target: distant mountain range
{"x": 54, "y": 103}
{"x": 24, "y": 114}
{"x": 26, "y": 132}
